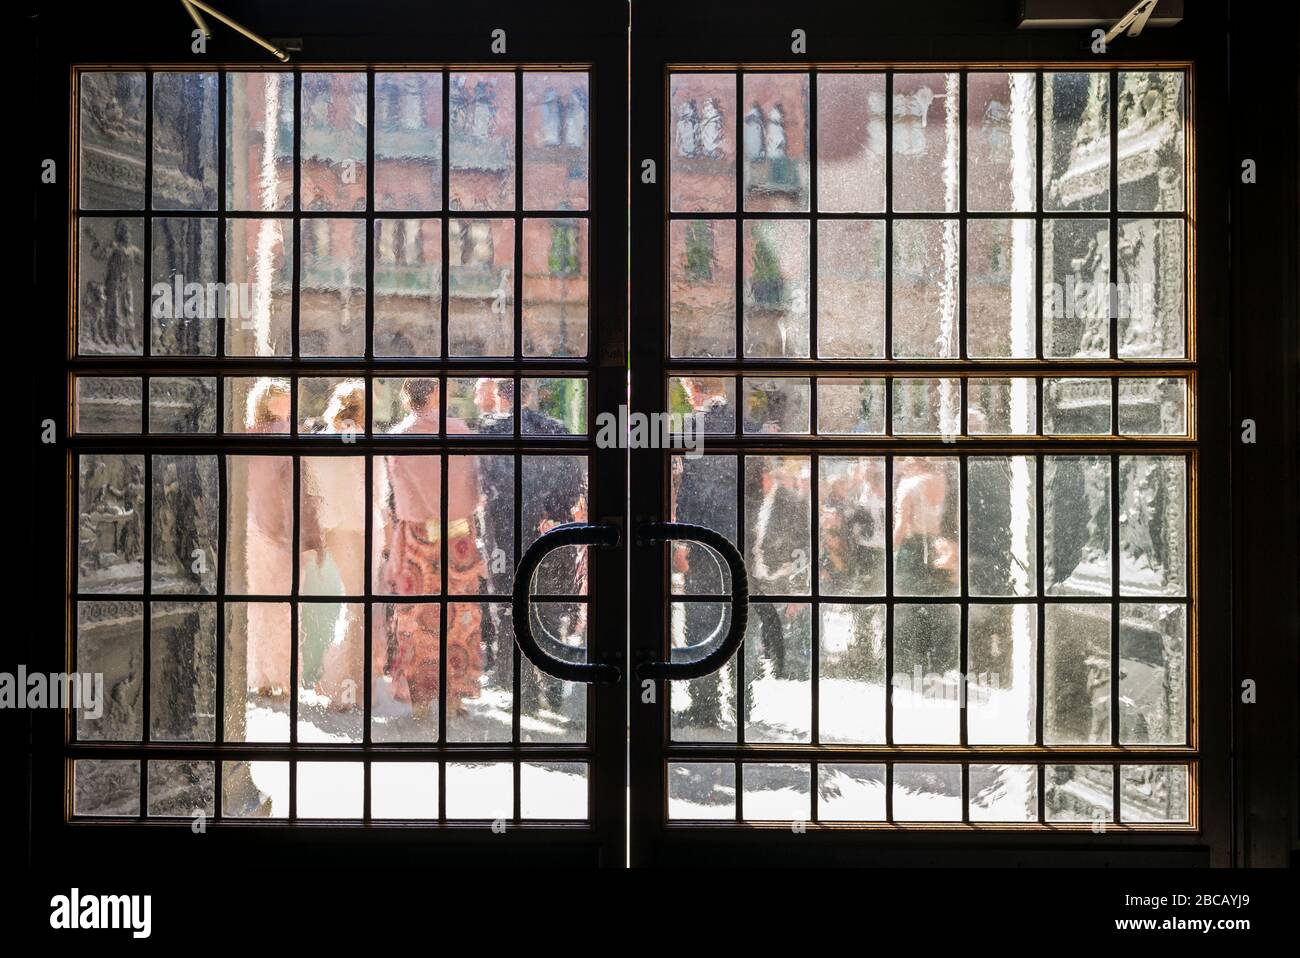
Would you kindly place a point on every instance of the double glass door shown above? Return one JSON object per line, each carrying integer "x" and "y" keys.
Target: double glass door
{"x": 889, "y": 541}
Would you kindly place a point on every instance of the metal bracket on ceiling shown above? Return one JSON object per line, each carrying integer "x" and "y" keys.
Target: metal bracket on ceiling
{"x": 192, "y": 7}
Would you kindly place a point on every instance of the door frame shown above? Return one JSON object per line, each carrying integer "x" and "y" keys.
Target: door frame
{"x": 157, "y": 38}
{"x": 951, "y": 33}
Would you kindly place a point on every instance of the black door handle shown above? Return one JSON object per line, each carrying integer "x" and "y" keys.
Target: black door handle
{"x": 557, "y": 659}
{"x": 715, "y": 654}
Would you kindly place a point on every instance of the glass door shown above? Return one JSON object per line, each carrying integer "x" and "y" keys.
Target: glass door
{"x": 931, "y": 329}
{"x": 338, "y": 338}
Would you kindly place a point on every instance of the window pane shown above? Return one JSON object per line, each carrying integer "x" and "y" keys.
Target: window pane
{"x": 927, "y": 142}
{"x": 850, "y": 793}
{"x": 408, "y": 287}
{"x": 553, "y": 790}
{"x": 1153, "y": 521}
{"x": 851, "y": 675}
{"x": 551, "y": 710}
{"x": 330, "y": 672}
{"x": 702, "y": 120}
{"x": 1001, "y": 130}
{"x": 182, "y": 789}
{"x": 259, "y": 261}
{"x": 111, "y": 141}
{"x": 776, "y": 288}
{"x": 926, "y": 543}
{"x": 556, "y": 121}
{"x": 106, "y": 787}
{"x": 333, "y": 149}
{"x": 703, "y": 709}
{"x": 776, "y": 406}
{"x": 1076, "y": 142}
{"x": 332, "y": 288}
{"x": 851, "y": 142}
{"x": 778, "y": 534}
{"x": 703, "y": 493}
{"x": 1152, "y": 270}
{"x": 927, "y": 793}
{"x": 405, "y": 406}
{"x": 182, "y": 405}
{"x": 481, "y": 288}
{"x": 1153, "y": 674}
{"x": 330, "y": 789}
{"x": 404, "y": 790}
{"x": 926, "y": 694}
{"x": 185, "y": 299}
{"x": 701, "y": 790}
{"x": 482, "y": 146}
{"x": 108, "y": 404}
{"x": 1153, "y": 793}
{"x": 110, "y": 541}
{"x": 110, "y": 286}
{"x": 702, "y": 288}
{"x": 1151, "y": 160}
{"x": 925, "y": 289}
{"x": 480, "y": 790}
{"x": 1001, "y": 407}
{"x": 851, "y": 495}
{"x": 183, "y": 672}
{"x": 1153, "y": 407}
{"x": 847, "y": 407}
{"x": 259, "y": 525}
{"x": 408, "y": 141}
{"x": 776, "y": 142}
{"x": 555, "y": 493}
{"x": 711, "y": 399}
{"x": 184, "y": 143}
{"x": 776, "y": 791}
{"x": 1077, "y": 407}
{"x": 553, "y": 407}
{"x": 1076, "y": 288}
{"x": 259, "y": 141}
{"x": 483, "y": 405}
{"x": 1000, "y": 279}
{"x": 1004, "y": 793}
{"x": 257, "y": 665}
{"x": 331, "y": 406}
{"x": 331, "y": 533}
{"x": 778, "y": 673}
{"x": 1076, "y": 664}
{"x": 1076, "y": 525}
{"x": 927, "y": 407}
{"x": 1080, "y": 793}
{"x": 1000, "y": 520}
{"x": 850, "y": 289}
{"x": 184, "y": 506}
{"x": 555, "y": 288}
{"x": 1002, "y": 674}
{"x": 405, "y": 656}
{"x": 110, "y": 641}
{"x": 480, "y": 668}
{"x": 255, "y": 789}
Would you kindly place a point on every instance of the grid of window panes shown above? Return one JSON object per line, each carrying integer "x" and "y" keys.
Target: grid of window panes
{"x": 330, "y": 368}
{"x": 955, "y": 448}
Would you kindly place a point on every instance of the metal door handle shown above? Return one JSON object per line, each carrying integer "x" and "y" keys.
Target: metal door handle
{"x": 715, "y": 654}
{"x": 557, "y": 659}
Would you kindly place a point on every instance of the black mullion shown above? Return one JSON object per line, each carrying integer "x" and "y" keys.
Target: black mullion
{"x": 368, "y": 467}
{"x": 963, "y": 183}
{"x": 889, "y": 243}
{"x": 814, "y": 651}
{"x": 146, "y": 351}
{"x": 517, "y": 698}
{"x": 1114, "y": 604}
{"x": 738, "y": 679}
{"x": 963, "y": 553}
{"x": 223, "y": 517}
{"x": 146, "y": 587}
{"x": 519, "y": 220}
{"x": 1038, "y": 219}
{"x": 889, "y": 612}
{"x": 739, "y": 133}
{"x": 444, "y": 219}
{"x": 1040, "y": 776}
{"x": 1041, "y": 605}
{"x": 368, "y": 349}
{"x": 221, "y": 214}
{"x": 295, "y": 646}
{"x": 812, "y": 239}
{"x": 444, "y": 608}
{"x": 1113, "y": 271}
{"x": 295, "y": 352}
